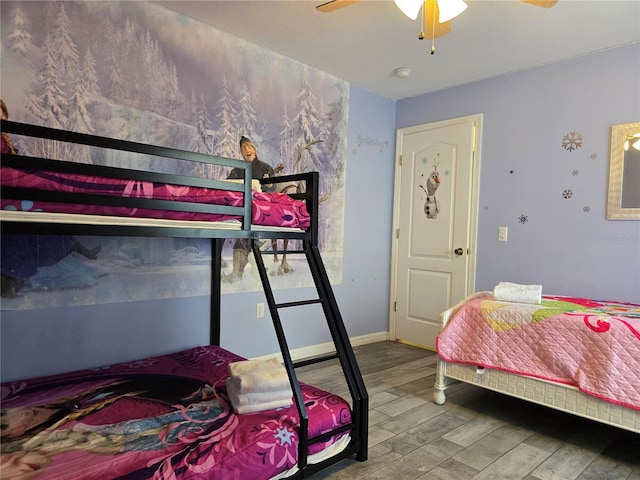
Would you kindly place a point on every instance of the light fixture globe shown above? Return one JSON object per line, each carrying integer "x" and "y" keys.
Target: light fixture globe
{"x": 410, "y": 8}
{"x": 401, "y": 72}
{"x": 450, "y": 9}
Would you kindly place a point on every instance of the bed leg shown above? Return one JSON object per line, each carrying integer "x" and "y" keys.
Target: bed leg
{"x": 440, "y": 385}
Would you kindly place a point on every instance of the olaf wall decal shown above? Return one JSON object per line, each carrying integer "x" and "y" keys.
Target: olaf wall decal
{"x": 431, "y": 205}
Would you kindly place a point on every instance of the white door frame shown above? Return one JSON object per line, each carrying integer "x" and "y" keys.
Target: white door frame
{"x": 473, "y": 208}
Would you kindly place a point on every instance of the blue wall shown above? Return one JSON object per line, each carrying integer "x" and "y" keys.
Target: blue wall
{"x": 525, "y": 170}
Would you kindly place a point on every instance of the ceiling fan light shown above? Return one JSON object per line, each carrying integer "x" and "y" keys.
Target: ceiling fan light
{"x": 450, "y": 9}
{"x": 410, "y": 8}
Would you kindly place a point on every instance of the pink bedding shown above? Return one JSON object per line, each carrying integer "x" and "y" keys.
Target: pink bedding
{"x": 592, "y": 345}
{"x": 166, "y": 417}
{"x": 270, "y": 209}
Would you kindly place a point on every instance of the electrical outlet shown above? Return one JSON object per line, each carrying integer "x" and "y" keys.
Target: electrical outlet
{"x": 503, "y": 232}
{"x": 260, "y": 310}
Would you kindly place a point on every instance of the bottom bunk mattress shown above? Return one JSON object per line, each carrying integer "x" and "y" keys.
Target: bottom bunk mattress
{"x": 591, "y": 345}
{"x": 166, "y": 417}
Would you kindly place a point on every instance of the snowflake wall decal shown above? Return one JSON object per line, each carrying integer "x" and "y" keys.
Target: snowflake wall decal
{"x": 586, "y": 209}
{"x": 572, "y": 141}
{"x": 594, "y": 156}
{"x": 523, "y": 219}
{"x": 575, "y": 173}
{"x": 425, "y": 160}
{"x": 567, "y": 194}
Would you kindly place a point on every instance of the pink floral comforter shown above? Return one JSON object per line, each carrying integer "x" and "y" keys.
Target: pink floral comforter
{"x": 586, "y": 343}
{"x": 270, "y": 209}
{"x": 166, "y": 417}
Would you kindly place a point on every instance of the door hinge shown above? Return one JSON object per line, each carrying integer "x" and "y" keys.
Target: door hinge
{"x": 395, "y": 306}
{"x": 397, "y": 233}
{"x": 400, "y": 160}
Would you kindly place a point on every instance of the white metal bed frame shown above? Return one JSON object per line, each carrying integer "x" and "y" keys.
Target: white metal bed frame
{"x": 565, "y": 398}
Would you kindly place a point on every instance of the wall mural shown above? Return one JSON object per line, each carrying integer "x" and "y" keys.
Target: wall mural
{"x": 140, "y": 72}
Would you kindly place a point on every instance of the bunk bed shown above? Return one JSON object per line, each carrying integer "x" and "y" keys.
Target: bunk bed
{"x": 118, "y": 422}
{"x": 577, "y": 355}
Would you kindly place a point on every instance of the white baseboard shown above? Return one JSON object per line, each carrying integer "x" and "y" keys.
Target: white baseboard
{"x": 326, "y": 348}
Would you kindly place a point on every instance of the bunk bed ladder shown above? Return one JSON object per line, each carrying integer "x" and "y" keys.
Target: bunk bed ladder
{"x": 344, "y": 353}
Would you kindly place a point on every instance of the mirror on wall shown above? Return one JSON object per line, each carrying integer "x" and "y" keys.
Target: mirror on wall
{"x": 624, "y": 173}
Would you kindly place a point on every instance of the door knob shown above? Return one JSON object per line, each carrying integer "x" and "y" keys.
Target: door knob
{"x": 458, "y": 251}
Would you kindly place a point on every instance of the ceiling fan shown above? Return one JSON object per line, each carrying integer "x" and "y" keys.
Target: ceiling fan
{"x": 436, "y": 14}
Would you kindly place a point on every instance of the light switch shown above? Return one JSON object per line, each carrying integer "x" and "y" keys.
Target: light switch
{"x": 502, "y": 234}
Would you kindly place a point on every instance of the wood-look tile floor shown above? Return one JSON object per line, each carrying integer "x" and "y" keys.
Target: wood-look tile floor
{"x": 476, "y": 434}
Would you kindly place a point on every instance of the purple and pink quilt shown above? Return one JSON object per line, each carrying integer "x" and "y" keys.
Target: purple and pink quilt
{"x": 269, "y": 208}
{"x": 593, "y": 345}
{"x": 167, "y": 417}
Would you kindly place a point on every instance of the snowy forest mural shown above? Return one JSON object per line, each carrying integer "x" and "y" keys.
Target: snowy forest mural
{"x": 140, "y": 72}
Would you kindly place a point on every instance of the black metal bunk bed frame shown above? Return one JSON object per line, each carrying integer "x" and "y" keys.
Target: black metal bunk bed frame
{"x": 30, "y": 224}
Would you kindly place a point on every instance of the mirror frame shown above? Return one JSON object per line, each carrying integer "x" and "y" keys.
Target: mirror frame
{"x": 616, "y": 169}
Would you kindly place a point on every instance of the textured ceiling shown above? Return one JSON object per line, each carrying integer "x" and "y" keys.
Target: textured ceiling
{"x": 364, "y": 42}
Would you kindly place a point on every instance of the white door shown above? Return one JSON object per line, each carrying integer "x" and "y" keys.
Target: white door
{"x": 435, "y": 210}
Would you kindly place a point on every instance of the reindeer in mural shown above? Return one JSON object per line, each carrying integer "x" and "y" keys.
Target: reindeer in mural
{"x": 284, "y": 266}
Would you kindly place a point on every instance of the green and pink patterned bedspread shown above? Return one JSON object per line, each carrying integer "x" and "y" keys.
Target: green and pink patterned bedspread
{"x": 593, "y": 345}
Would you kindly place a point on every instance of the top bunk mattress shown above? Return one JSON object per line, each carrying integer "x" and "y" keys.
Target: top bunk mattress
{"x": 165, "y": 417}
{"x": 74, "y": 179}
{"x": 268, "y": 208}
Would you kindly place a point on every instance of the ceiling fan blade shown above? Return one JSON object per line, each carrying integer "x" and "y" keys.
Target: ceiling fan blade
{"x": 541, "y": 3}
{"x": 333, "y": 5}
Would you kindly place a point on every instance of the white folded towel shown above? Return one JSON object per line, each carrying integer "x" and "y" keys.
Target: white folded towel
{"x": 244, "y": 399}
{"x": 514, "y": 292}
{"x": 256, "y": 402}
{"x": 261, "y": 382}
{"x": 254, "y": 376}
{"x": 252, "y": 366}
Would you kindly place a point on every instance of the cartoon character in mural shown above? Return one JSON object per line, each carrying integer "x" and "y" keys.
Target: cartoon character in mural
{"x": 22, "y": 255}
{"x": 431, "y": 205}
{"x": 259, "y": 169}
